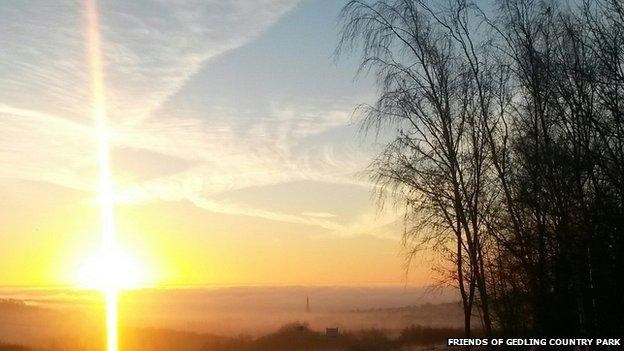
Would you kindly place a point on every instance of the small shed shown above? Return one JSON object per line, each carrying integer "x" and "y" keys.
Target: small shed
{"x": 332, "y": 332}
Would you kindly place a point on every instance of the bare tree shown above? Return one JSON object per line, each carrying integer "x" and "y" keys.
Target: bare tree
{"x": 437, "y": 164}
{"x": 507, "y": 151}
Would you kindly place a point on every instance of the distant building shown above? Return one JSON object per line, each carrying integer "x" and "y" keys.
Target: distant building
{"x": 307, "y": 304}
{"x": 332, "y": 332}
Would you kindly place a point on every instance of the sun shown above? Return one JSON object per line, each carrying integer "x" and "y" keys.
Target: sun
{"x": 111, "y": 270}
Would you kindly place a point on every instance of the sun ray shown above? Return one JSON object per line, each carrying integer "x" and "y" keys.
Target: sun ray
{"x": 99, "y": 112}
{"x": 111, "y": 320}
{"x": 110, "y": 270}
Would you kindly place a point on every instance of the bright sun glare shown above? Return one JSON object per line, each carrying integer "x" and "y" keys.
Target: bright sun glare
{"x": 110, "y": 270}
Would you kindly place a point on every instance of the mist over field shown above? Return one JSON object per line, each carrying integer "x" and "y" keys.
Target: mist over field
{"x": 55, "y": 318}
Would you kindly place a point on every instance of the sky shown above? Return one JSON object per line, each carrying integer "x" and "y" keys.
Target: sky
{"x": 235, "y": 155}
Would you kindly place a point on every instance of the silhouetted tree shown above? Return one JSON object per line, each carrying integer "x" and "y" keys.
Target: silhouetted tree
{"x": 437, "y": 165}
{"x": 508, "y": 151}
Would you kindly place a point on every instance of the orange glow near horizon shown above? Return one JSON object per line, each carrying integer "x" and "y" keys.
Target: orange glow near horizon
{"x": 109, "y": 271}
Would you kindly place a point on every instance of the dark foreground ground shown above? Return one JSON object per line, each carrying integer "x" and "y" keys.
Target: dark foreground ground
{"x": 292, "y": 337}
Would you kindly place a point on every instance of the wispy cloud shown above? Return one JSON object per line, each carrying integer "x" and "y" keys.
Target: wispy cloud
{"x": 160, "y": 44}
{"x": 268, "y": 153}
{"x": 152, "y": 49}
{"x": 42, "y": 147}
